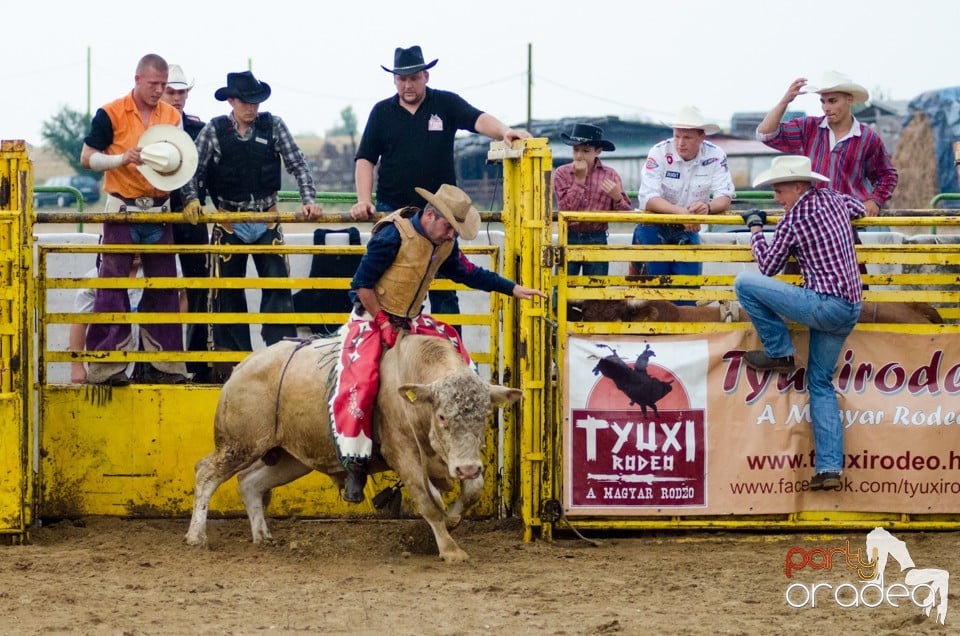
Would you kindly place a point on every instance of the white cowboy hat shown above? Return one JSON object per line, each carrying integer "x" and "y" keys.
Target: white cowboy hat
{"x": 788, "y": 168}
{"x": 169, "y": 156}
{"x": 690, "y": 118}
{"x": 177, "y": 79}
{"x": 455, "y": 206}
{"x": 834, "y": 82}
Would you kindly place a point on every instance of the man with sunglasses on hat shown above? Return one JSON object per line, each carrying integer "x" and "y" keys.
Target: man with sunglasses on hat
{"x": 407, "y": 249}
{"x": 240, "y": 156}
{"x": 685, "y": 174}
{"x": 194, "y": 233}
{"x": 117, "y": 145}
{"x": 816, "y": 231}
{"x": 409, "y": 139}
{"x": 587, "y": 184}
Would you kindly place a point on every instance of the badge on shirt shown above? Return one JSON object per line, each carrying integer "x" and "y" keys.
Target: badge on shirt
{"x": 652, "y": 163}
{"x": 669, "y": 159}
{"x": 435, "y": 124}
{"x": 672, "y": 174}
{"x": 260, "y": 140}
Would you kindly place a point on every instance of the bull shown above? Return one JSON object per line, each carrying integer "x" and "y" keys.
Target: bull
{"x": 272, "y": 426}
{"x": 666, "y": 311}
{"x": 638, "y": 385}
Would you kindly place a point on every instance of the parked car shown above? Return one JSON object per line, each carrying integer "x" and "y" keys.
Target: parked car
{"x": 88, "y": 187}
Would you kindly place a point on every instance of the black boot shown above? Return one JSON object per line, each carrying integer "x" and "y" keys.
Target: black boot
{"x": 356, "y": 479}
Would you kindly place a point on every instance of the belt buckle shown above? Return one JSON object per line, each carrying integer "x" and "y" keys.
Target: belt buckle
{"x": 144, "y": 203}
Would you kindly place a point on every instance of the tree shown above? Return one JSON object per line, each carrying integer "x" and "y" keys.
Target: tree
{"x": 64, "y": 132}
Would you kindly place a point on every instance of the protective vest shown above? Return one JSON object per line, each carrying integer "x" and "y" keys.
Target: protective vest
{"x": 248, "y": 167}
{"x": 403, "y": 287}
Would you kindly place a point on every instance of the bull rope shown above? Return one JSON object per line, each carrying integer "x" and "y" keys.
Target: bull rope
{"x": 302, "y": 342}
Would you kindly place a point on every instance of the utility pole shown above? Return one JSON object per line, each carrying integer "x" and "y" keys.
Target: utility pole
{"x": 529, "y": 85}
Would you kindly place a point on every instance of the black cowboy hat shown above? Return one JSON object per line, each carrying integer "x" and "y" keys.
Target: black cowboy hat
{"x": 587, "y": 135}
{"x": 408, "y": 61}
{"x": 245, "y": 87}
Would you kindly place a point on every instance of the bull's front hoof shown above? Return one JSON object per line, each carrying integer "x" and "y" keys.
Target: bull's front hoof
{"x": 200, "y": 541}
{"x": 455, "y": 556}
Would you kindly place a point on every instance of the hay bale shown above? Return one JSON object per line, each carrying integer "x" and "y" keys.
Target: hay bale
{"x": 915, "y": 160}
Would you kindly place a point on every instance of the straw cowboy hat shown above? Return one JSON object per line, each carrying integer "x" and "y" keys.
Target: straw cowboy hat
{"x": 788, "y": 168}
{"x": 408, "y": 61}
{"x": 587, "y": 135}
{"x": 455, "y": 206}
{"x": 169, "y": 156}
{"x": 245, "y": 87}
{"x": 834, "y": 82}
{"x": 177, "y": 79}
{"x": 690, "y": 118}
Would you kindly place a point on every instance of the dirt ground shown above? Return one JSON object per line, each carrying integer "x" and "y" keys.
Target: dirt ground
{"x": 115, "y": 576}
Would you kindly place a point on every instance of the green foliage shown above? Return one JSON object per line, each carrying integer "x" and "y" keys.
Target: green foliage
{"x": 64, "y": 132}
{"x": 347, "y": 124}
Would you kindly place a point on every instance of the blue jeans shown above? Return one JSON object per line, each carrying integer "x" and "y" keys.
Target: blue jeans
{"x": 768, "y": 302}
{"x": 667, "y": 235}
{"x": 589, "y": 268}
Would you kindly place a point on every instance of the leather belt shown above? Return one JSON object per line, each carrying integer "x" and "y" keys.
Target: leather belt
{"x": 144, "y": 203}
{"x": 228, "y": 206}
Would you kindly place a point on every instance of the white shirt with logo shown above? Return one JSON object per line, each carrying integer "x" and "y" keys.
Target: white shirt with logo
{"x": 681, "y": 182}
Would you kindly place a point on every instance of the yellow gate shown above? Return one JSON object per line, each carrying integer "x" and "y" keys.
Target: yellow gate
{"x": 16, "y": 431}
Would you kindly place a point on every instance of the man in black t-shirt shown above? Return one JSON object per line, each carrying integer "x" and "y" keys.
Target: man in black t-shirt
{"x": 410, "y": 135}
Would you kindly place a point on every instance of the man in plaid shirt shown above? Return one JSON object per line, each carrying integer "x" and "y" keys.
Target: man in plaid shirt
{"x": 816, "y": 231}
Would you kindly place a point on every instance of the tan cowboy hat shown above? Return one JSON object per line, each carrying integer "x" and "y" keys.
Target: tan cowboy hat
{"x": 169, "y": 156}
{"x": 177, "y": 79}
{"x": 788, "y": 168}
{"x": 834, "y": 82}
{"x": 455, "y": 206}
{"x": 690, "y": 118}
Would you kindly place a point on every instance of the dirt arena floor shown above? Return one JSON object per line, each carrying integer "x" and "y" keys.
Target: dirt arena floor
{"x": 114, "y": 576}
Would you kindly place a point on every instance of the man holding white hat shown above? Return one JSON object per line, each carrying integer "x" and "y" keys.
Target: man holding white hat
{"x": 680, "y": 177}
{"x": 137, "y": 142}
{"x": 849, "y": 153}
{"x": 816, "y": 231}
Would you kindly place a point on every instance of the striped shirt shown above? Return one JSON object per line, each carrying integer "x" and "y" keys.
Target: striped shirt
{"x": 816, "y": 231}
{"x": 857, "y": 165}
{"x": 574, "y": 197}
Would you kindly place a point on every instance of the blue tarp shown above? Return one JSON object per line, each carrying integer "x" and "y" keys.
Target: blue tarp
{"x": 942, "y": 108}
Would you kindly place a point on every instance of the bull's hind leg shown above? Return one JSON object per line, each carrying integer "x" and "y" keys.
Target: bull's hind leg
{"x": 211, "y": 471}
{"x": 256, "y": 482}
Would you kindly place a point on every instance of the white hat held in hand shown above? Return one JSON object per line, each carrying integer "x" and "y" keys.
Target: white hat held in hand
{"x": 169, "y": 156}
{"x": 834, "y": 82}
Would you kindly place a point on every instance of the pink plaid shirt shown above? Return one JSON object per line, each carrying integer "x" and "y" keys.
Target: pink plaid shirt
{"x": 573, "y": 197}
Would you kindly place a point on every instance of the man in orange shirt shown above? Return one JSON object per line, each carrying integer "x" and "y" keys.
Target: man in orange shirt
{"x": 113, "y": 147}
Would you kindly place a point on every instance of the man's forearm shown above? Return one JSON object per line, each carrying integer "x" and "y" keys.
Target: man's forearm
{"x": 363, "y": 176}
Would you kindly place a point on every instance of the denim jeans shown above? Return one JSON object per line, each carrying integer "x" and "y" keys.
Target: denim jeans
{"x": 667, "y": 235}
{"x": 768, "y": 302}
{"x": 589, "y": 268}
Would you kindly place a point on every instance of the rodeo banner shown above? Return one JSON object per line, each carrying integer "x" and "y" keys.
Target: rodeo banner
{"x": 674, "y": 425}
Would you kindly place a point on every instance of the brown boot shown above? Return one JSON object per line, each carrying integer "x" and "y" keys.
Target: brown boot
{"x": 356, "y": 479}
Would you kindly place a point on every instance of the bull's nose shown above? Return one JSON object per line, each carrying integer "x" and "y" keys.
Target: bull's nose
{"x": 468, "y": 471}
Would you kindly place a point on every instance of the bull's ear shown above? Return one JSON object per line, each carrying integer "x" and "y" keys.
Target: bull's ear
{"x": 502, "y": 397}
{"x": 414, "y": 393}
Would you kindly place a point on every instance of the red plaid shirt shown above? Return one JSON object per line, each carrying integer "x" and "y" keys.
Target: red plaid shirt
{"x": 573, "y": 197}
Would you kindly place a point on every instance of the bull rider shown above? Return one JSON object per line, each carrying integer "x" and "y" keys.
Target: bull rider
{"x": 407, "y": 249}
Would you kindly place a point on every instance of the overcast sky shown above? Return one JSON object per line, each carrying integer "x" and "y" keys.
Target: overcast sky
{"x": 637, "y": 60}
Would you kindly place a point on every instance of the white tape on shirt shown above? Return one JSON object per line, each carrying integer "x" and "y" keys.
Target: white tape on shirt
{"x": 102, "y": 162}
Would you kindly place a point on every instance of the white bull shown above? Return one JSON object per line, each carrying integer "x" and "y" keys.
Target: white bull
{"x": 272, "y": 426}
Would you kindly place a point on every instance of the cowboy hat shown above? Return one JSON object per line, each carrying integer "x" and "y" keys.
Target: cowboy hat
{"x": 690, "y": 118}
{"x": 408, "y": 61}
{"x": 455, "y": 206}
{"x": 169, "y": 156}
{"x": 788, "y": 168}
{"x": 245, "y": 87}
{"x": 177, "y": 79}
{"x": 587, "y": 135}
{"x": 834, "y": 82}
